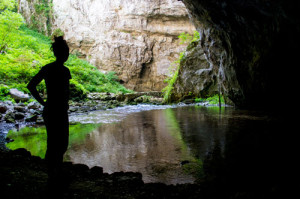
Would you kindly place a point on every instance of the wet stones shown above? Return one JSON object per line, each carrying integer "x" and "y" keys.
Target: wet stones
{"x": 32, "y": 112}
{"x": 16, "y": 113}
{"x": 138, "y": 97}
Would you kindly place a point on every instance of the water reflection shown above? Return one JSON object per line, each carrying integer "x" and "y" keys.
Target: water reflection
{"x": 225, "y": 148}
{"x": 149, "y": 142}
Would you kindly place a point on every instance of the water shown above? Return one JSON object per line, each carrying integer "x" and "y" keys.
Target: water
{"x": 168, "y": 144}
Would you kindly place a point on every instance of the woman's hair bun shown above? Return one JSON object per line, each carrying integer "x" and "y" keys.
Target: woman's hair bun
{"x": 60, "y": 47}
{"x": 59, "y": 39}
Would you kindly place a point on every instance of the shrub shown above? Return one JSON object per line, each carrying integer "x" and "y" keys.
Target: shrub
{"x": 4, "y": 93}
{"x": 77, "y": 91}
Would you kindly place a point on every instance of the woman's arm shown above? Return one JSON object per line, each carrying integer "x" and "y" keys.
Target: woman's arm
{"x": 32, "y": 87}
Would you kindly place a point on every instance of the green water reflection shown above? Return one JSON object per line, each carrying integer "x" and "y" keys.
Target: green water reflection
{"x": 34, "y": 139}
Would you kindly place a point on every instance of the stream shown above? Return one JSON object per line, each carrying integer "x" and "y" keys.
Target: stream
{"x": 167, "y": 144}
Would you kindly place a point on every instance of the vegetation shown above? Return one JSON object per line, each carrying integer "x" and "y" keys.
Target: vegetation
{"x": 211, "y": 100}
{"x": 24, "y": 51}
{"x": 172, "y": 78}
{"x": 41, "y": 16}
{"x": 185, "y": 38}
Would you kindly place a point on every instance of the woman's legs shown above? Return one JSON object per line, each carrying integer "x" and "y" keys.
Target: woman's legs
{"x": 57, "y": 126}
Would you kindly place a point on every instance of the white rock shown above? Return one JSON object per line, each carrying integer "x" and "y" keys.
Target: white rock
{"x": 18, "y": 95}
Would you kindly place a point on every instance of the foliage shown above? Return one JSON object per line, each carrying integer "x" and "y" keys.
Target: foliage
{"x": 9, "y": 23}
{"x": 7, "y": 4}
{"x": 175, "y": 66}
{"x": 172, "y": 79}
{"x": 211, "y": 100}
{"x": 77, "y": 91}
{"x": 43, "y": 14}
{"x": 4, "y": 93}
{"x": 30, "y": 50}
{"x": 186, "y": 38}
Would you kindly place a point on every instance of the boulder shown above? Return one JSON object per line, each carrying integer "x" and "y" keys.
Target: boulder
{"x": 18, "y": 95}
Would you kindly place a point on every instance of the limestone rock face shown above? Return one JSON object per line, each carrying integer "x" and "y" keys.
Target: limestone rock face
{"x": 135, "y": 38}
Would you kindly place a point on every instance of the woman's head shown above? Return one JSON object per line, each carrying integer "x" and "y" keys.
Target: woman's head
{"x": 60, "y": 49}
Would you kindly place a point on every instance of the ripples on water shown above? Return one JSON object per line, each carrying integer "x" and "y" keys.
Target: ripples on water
{"x": 114, "y": 115}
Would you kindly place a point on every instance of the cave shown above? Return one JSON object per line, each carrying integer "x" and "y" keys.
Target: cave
{"x": 248, "y": 52}
{"x": 255, "y": 42}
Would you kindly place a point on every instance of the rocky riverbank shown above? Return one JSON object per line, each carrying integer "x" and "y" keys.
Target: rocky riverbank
{"x": 25, "y": 176}
{"x": 31, "y": 112}
{"x": 15, "y": 115}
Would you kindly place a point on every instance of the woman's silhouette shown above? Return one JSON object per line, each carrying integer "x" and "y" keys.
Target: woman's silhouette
{"x": 55, "y": 112}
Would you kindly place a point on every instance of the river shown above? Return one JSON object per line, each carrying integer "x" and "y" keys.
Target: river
{"x": 168, "y": 144}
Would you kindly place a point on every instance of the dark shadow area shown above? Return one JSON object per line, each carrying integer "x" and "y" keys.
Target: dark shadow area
{"x": 259, "y": 161}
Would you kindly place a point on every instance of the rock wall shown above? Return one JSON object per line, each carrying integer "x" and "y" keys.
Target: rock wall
{"x": 136, "y": 39}
{"x": 251, "y": 47}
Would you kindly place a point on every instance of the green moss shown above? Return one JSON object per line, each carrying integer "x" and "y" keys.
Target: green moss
{"x": 175, "y": 66}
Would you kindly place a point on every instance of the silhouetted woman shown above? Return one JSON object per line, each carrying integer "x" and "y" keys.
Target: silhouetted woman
{"x": 55, "y": 112}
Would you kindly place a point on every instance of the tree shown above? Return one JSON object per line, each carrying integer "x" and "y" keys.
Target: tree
{"x": 7, "y": 4}
{"x": 10, "y": 21}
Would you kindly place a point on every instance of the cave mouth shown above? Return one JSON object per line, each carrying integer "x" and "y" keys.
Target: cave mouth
{"x": 255, "y": 43}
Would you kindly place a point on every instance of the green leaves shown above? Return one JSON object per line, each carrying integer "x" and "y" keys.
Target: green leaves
{"x": 7, "y": 5}
{"x": 9, "y": 23}
{"x": 186, "y": 38}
